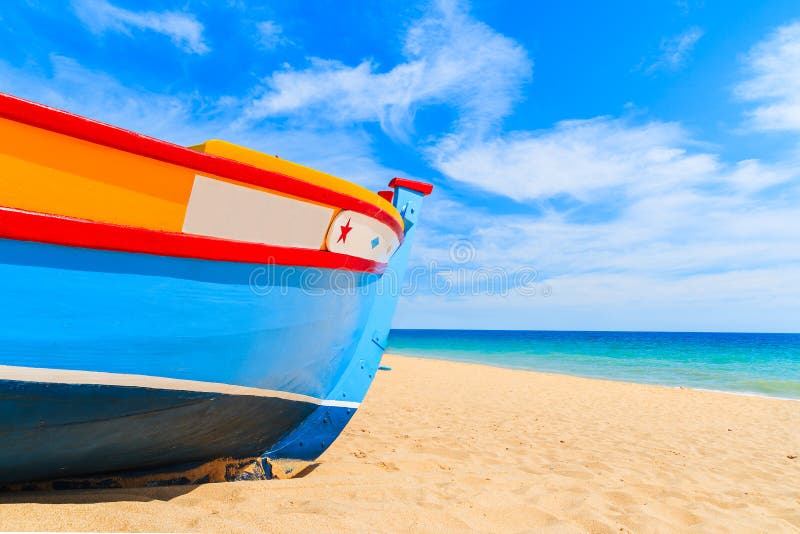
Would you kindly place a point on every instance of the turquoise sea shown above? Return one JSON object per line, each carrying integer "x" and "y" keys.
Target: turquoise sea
{"x": 764, "y": 364}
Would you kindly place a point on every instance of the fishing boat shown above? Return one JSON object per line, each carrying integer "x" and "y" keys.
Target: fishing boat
{"x": 167, "y": 306}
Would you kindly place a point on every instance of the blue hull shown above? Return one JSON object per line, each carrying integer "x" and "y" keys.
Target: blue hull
{"x": 83, "y": 309}
{"x": 302, "y": 346}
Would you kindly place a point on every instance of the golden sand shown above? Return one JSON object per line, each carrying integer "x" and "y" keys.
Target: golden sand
{"x": 442, "y": 446}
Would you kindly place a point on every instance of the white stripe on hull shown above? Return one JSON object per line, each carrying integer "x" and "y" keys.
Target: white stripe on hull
{"x": 229, "y": 211}
{"x": 64, "y": 376}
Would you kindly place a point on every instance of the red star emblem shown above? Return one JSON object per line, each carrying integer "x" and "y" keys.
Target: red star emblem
{"x": 345, "y": 230}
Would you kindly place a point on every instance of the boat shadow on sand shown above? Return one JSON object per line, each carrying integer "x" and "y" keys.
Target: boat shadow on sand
{"x": 162, "y": 485}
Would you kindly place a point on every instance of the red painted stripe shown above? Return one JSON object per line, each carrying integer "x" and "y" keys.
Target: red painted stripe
{"x": 414, "y": 185}
{"x": 66, "y": 123}
{"x": 56, "y": 230}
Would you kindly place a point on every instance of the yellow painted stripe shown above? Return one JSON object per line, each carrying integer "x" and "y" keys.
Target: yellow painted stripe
{"x": 228, "y": 150}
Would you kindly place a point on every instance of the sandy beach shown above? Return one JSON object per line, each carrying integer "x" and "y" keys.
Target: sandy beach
{"x": 442, "y": 446}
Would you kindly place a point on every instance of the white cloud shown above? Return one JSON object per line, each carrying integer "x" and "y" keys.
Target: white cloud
{"x": 666, "y": 236}
{"x": 451, "y": 59}
{"x": 670, "y": 209}
{"x": 580, "y": 158}
{"x": 270, "y": 35}
{"x": 751, "y": 175}
{"x": 675, "y": 50}
{"x": 182, "y": 28}
{"x": 774, "y": 84}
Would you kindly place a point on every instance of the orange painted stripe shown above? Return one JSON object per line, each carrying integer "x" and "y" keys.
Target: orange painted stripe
{"x": 58, "y": 174}
{"x": 95, "y": 132}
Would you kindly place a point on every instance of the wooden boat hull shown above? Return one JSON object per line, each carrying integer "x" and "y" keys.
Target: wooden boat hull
{"x": 130, "y": 348}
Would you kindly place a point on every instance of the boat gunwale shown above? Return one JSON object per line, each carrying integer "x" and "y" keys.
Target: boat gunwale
{"x": 66, "y": 123}
{"x": 22, "y": 225}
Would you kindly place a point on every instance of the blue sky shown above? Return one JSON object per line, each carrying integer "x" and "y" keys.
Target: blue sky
{"x": 637, "y": 162}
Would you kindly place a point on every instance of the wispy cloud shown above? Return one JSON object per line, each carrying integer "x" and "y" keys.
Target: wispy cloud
{"x": 683, "y": 6}
{"x": 674, "y": 51}
{"x": 587, "y": 159}
{"x": 774, "y": 84}
{"x": 673, "y": 209}
{"x": 581, "y": 158}
{"x": 270, "y": 35}
{"x": 98, "y": 95}
{"x": 451, "y": 59}
{"x": 182, "y": 28}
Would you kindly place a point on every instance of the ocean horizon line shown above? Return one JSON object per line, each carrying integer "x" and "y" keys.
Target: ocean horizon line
{"x": 745, "y": 332}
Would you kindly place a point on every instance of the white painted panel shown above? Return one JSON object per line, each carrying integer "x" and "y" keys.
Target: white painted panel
{"x": 230, "y": 211}
{"x": 359, "y": 235}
